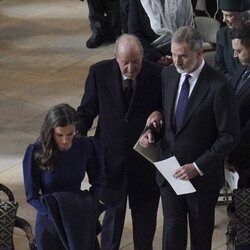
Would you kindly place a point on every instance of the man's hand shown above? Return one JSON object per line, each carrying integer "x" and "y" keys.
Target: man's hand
{"x": 229, "y": 166}
{"x": 165, "y": 60}
{"x": 156, "y": 120}
{"x": 146, "y": 139}
{"x": 186, "y": 172}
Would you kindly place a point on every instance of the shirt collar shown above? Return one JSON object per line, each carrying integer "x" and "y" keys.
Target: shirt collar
{"x": 195, "y": 73}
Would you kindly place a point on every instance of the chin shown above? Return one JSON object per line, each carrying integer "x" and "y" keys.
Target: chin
{"x": 181, "y": 71}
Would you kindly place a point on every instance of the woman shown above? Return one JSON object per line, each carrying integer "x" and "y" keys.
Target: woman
{"x": 54, "y": 167}
{"x": 154, "y": 22}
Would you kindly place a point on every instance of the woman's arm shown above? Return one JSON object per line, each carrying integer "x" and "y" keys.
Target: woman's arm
{"x": 31, "y": 175}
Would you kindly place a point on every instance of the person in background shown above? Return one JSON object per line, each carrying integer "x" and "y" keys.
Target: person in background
{"x": 124, "y": 13}
{"x": 123, "y": 92}
{"x": 201, "y": 127}
{"x": 154, "y": 21}
{"x": 105, "y": 23}
{"x": 53, "y": 169}
{"x": 224, "y": 56}
{"x": 239, "y": 159}
{"x": 205, "y": 7}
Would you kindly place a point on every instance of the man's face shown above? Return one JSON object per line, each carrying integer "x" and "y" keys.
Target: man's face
{"x": 184, "y": 58}
{"x": 232, "y": 19}
{"x": 130, "y": 61}
{"x": 241, "y": 52}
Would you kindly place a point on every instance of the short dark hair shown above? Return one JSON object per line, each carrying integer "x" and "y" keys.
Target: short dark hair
{"x": 242, "y": 33}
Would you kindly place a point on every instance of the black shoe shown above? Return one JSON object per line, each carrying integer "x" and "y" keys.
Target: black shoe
{"x": 95, "y": 41}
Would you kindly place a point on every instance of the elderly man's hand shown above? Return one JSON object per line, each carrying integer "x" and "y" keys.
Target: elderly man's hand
{"x": 146, "y": 139}
{"x": 155, "y": 119}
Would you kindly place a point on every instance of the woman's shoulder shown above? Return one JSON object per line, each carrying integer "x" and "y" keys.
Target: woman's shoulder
{"x": 34, "y": 147}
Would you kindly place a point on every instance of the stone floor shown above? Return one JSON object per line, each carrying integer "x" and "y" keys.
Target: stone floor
{"x": 44, "y": 61}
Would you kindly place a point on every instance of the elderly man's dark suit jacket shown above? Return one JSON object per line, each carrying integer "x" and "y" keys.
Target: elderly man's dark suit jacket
{"x": 210, "y": 127}
{"x": 240, "y": 157}
{"x": 119, "y": 128}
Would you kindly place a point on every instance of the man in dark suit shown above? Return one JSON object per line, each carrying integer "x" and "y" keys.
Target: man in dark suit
{"x": 240, "y": 157}
{"x": 201, "y": 128}
{"x": 123, "y": 92}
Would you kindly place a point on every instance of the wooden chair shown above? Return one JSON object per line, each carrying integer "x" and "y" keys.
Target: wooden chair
{"x": 9, "y": 220}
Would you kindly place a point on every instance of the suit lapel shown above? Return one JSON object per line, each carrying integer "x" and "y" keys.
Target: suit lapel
{"x": 243, "y": 89}
{"x": 115, "y": 87}
{"x": 170, "y": 97}
{"x": 141, "y": 88}
{"x": 239, "y": 74}
{"x": 240, "y": 70}
{"x": 199, "y": 92}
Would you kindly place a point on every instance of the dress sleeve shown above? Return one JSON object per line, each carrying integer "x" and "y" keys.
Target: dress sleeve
{"x": 96, "y": 167}
{"x": 32, "y": 183}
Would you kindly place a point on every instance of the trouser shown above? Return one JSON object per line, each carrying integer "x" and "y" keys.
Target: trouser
{"x": 104, "y": 16}
{"x": 143, "y": 220}
{"x": 198, "y": 208}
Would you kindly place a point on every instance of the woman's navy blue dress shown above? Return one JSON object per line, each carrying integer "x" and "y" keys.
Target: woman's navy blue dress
{"x": 85, "y": 156}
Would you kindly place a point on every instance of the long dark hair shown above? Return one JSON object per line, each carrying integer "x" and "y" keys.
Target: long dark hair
{"x": 60, "y": 115}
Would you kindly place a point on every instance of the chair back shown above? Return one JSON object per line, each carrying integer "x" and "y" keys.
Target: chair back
{"x": 208, "y": 28}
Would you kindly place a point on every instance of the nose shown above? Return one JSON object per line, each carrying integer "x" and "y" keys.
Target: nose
{"x": 235, "y": 54}
{"x": 65, "y": 139}
{"x": 177, "y": 60}
{"x": 130, "y": 67}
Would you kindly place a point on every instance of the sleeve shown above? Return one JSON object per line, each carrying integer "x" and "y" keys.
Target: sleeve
{"x": 136, "y": 27}
{"x": 32, "y": 185}
{"x": 242, "y": 149}
{"x": 219, "y": 56}
{"x": 89, "y": 108}
{"x": 228, "y": 127}
{"x": 96, "y": 165}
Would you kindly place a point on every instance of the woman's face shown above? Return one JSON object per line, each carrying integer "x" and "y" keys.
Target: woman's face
{"x": 232, "y": 19}
{"x": 63, "y": 136}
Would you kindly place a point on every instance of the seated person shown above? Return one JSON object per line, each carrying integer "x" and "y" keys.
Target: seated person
{"x": 54, "y": 167}
{"x": 224, "y": 57}
{"x": 154, "y": 21}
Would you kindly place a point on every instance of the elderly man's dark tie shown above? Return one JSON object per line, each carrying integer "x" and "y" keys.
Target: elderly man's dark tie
{"x": 128, "y": 90}
{"x": 182, "y": 102}
{"x": 242, "y": 81}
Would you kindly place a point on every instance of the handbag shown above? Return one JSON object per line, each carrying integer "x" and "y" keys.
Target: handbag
{"x": 238, "y": 229}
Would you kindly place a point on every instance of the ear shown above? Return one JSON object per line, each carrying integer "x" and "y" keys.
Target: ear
{"x": 200, "y": 52}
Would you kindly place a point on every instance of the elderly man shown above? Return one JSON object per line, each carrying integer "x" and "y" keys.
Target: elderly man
{"x": 201, "y": 128}
{"x": 123, "y": 92}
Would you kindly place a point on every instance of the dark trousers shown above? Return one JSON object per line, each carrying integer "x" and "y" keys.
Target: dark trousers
{"x": 197, "y": 208}
{"x": 124, "y": 12}
{"x": 144, "y": 225}
{"x": 104, "y": 16}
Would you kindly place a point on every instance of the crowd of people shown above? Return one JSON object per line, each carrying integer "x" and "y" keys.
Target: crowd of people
{"x": 158, "y": 88}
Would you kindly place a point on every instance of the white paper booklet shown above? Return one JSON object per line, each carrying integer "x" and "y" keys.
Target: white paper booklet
{"x": 166, "y": 167}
